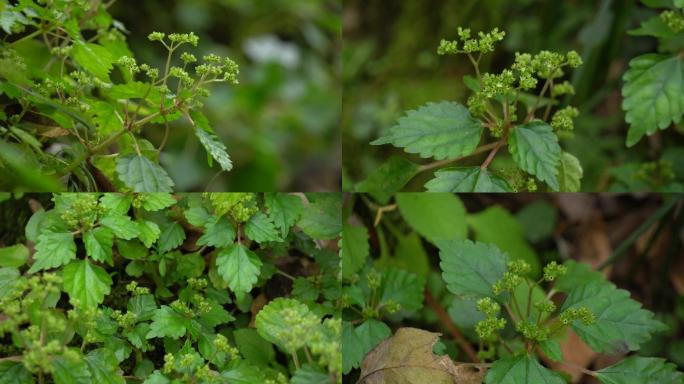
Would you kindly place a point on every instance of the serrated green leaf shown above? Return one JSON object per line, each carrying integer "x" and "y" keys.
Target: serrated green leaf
{"x": 157, "y": 201}
{"x": 166, "y": 323}
{"x": 354, "y": 249}
{"x": 321, "y": 219}
{"x": 103, "y": 366}
{"x": 239, "y": 267}
{"x": 253, "y": 347}
{"x": 122, "y": 226}
{"x": 157, "y": 378}
{"x": 105, "y": 118}
{"x": 401, "y": 287}
{"x": 172, "y": 236}
{"x": 388, "y": 178}
{"x": 98, "y": 244}
{"x": 569, "y": 173}
{"x": 53, "y": 249}
{"x": 284, "y": 210}
{"x": 577, "y": 274}
{"x": 261, "y": 229}
{"x": 212, "y": 144}
{"x": 652, "y": 94}
{"x": 621, "y": 323}
{"x": 94, "y": 58}
{"x": 656, "y": 27}
{"x": 470, "y": 269}
{"x": 197, "y": 214}
{"x": 87, "y": 283}
{"x": 309, "y": 374}
{"x": 357, "y": 342}
{"x": 495, "y": 225}
{"x": 641, "y": 370}
{"x": 244, "y": 373}
{"x": 219, "y": 232}
{"x": 67, "y": 371}
{"x": 12, "y": 372}
{"x": 7, "y": 278}
{"x": 467, "y": 179}
{"x": 440, "y": 130}
{"x": 551, "y": 349}
{"x": 148, "y": 232}
{"x": 434, "y": 216}
{"x": 143, "y": 306}
{"x": 13, "y": 256}
{"x": 142, "y": 175}
{"x": 131, "y": 249}
{"x": 534, "y": 147}
{"x": 116, "y": 202}
{"x": 521, "y": 369}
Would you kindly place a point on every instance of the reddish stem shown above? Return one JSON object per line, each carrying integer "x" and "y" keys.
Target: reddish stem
{"x": 451, "y": 327}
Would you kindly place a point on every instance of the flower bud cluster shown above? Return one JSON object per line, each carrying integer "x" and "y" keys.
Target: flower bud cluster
{"x": 553, "y": 270}
{"x": 488, "y": 328}
{"x": 674, "y": 20}
{"x": 532, "y": 331}
{"x": 136, "y": 290}
{"x": 583, "y": 314}
{"x": 562, "y": 120}
{"x": 241, "y": 206}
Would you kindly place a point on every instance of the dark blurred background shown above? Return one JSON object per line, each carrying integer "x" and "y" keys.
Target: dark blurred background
{"x": 281, "y": 123}
{"x": 390, "y": 65}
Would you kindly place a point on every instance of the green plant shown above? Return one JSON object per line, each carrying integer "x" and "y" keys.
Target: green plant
{"x": 654, "y": 83}
{"x": 158, "y": 288}
{"x": 652, "y": 102}
{"x": 501, "y": 113}
{"x": 505, "y": 311}
{"x": 69, "y": 120}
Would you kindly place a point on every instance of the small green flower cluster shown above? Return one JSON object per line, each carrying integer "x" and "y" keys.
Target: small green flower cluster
{"x": 240, "y": 206}
{"x": 562, "y": 121}
{"x": 325, "y": 343}
{"x": 78, "y": 211}
{"x": 506, "y": 86}
{"x": 136, "y": 290}
{"x": 488, "y": 328}
{"x": 531, "y": 331}
{"x": 298, "y": 327}
{"x": 484, "y": 43}
{"x": 512, "y": 277}
{"x": 176, "y": 39}
{"x": 583, "y": 314}
{"x": 674, "y": 20}
{"x": 553, "y": 270}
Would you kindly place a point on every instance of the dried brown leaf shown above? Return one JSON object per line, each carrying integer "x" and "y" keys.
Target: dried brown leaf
{"x": 407, "y": 358}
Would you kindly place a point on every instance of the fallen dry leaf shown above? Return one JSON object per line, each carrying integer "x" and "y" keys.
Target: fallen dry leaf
{"x": 407, "y": 358}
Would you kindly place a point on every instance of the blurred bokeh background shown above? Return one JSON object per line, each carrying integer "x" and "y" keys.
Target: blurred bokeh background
{"x": 281, "y": 124}
{"x": 390, "y": 65}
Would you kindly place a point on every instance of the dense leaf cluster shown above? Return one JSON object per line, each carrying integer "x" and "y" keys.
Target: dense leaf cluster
{"x": 74, "y": 102}
{"x": 162, "y": 288}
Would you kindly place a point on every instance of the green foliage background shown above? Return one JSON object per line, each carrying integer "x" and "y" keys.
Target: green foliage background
{"x": 280, "y": 123}
{"x": 390, "y": 65}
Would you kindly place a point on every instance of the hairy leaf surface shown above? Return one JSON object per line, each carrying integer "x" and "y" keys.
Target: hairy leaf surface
{"x": 440, "y": 130}
{"x": 467, "y": 179}
{"x": 534, "y": 147}
{"x": 653, "y": 94}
